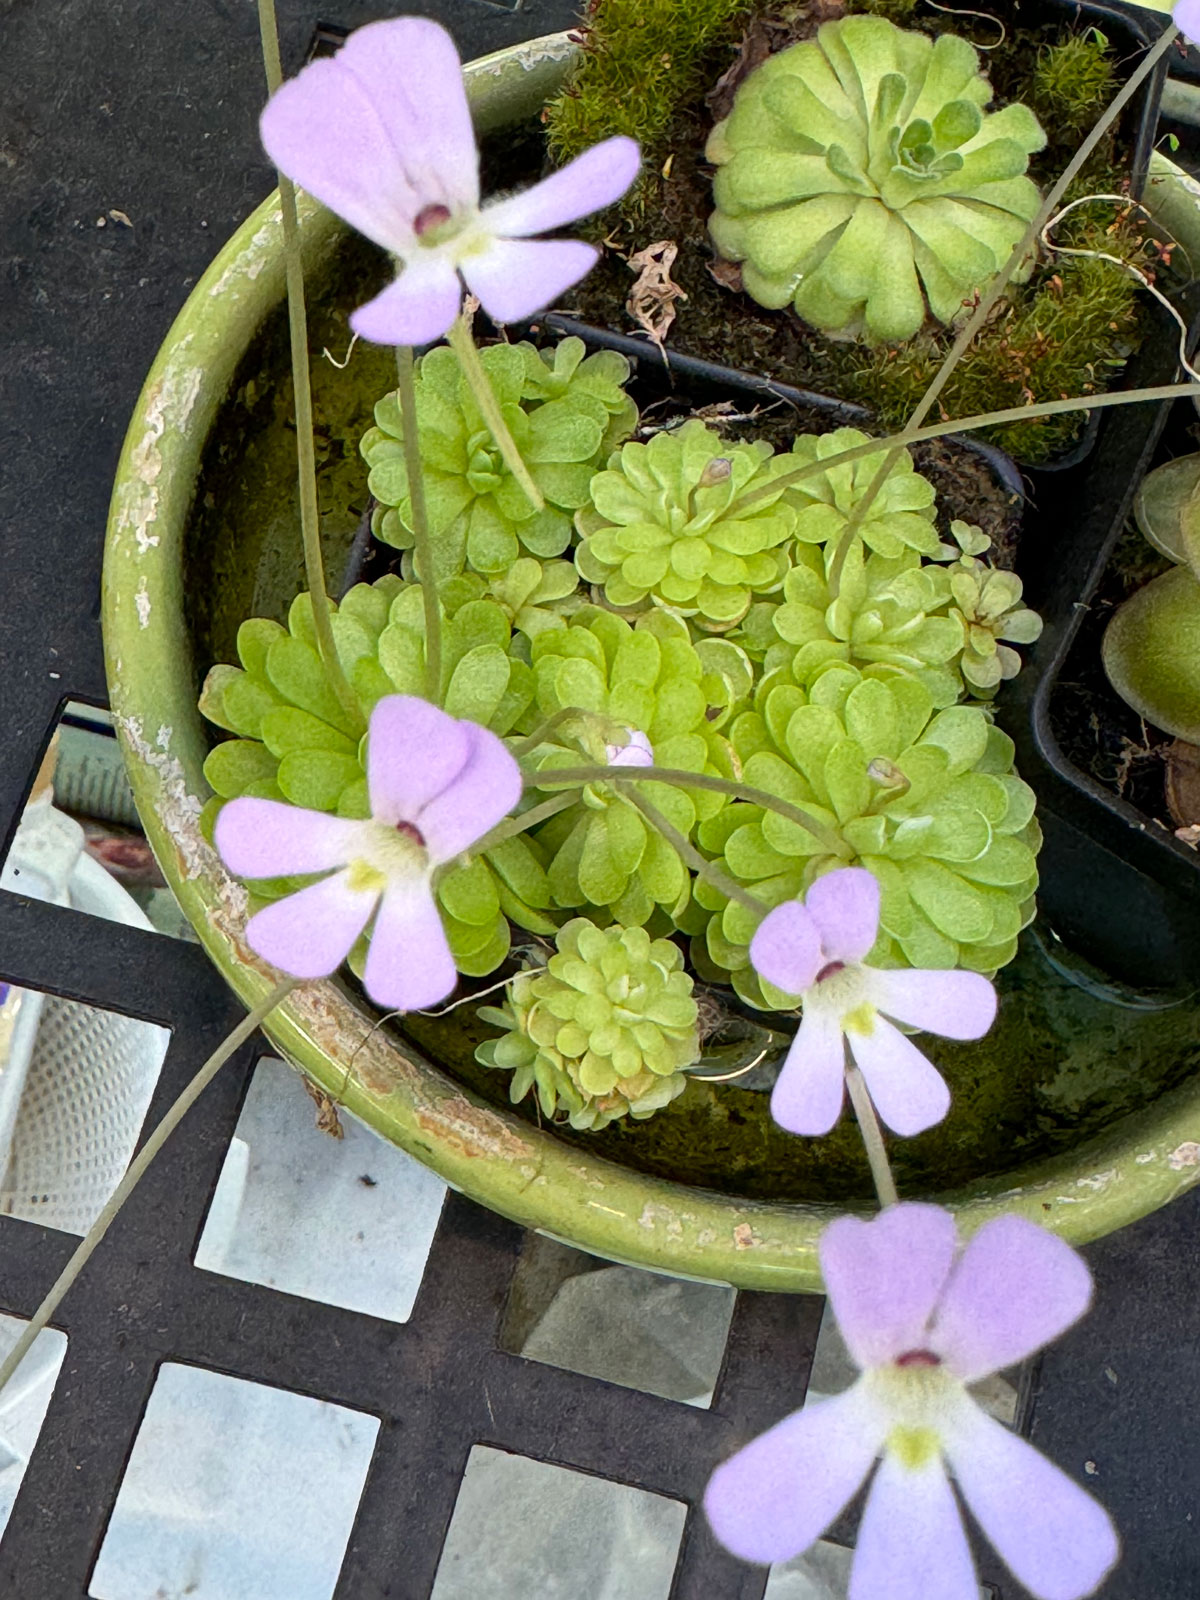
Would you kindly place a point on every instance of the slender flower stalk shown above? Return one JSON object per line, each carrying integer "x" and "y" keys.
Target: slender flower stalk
{"x": 306, "y": 460}
{"x": 986, "y": 419}
{"x": 134, "y": 1174}
{"x": 694, "y": 780}
{"x": 872, "y": 1137}
{"x": 407, "y": 391}
{"x": 463, "y": 344}
{"x": 687, "y": 851}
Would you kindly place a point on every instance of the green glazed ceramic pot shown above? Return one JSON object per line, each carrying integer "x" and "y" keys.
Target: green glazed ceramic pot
{"x": 173, "y": 596}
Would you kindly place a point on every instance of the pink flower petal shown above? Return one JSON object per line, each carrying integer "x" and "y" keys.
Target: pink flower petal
{"x": 323, "y": 131}
{"x": 485, "y": 790}
{"x": 957, "y": 1005}
{"x": 514, "y": 278}
{"x": 1054, "y": 1537}
{"x": 409, "y": 69}
{"x": 268, "y": 838}
{"x": 589, "y": 183}
{"x": 309, "y": 934}
{"x": 911, "y": 1544}
{"x": 380, "y": 132}
{"x": 409, "y": 964}
{"x": 417, "y": 308}
{"x": 1186, "y": 17}
{"x": 772, "y": 1499}
{"x": 807, "y": 1097}
{"x": 415, "y": 750}
{"x": 909, "y": 1092}
{"x": 884, "y": 1277}
{"x": 786, "y": 948}
{"x": 1014, "y": 1289}
{"x": 844, "y": 904}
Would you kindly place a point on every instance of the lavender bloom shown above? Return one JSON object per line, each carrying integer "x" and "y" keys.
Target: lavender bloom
{"x": 1186, "y": 17}
{"x": 382, "y": 135}
{"x": 816, "y": 949}
{"x": 436, "y": 785}
{"x": 920, "y": 1326}
{"x": 637, "y": 752}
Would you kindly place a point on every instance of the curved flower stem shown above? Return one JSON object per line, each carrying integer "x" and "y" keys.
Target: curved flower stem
{"x": 133, "y": 1176}
{"x": 511, "y": 826}
{"x": 1045, "y": 408}
{"x": 997, "y": 287}
{"x": 460, "y": 341}
{"x": 699, "y": 864}
{"x": 544, "y": 729}
{"x": 306, "y": 460}
{"x": 872, "y": 1137}
{"x": 423, "y": 552}
{"x": 692, "y": 780}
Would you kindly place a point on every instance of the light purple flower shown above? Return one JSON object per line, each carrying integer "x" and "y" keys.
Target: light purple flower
{"x": 1186, "y": 17}
{"x": 637, "y": 751}
{"x": 381, "y": 134}
{"x": 816, "y": 948}
{"x": 921, "y": 1325}
{"x": 436, "y": 785}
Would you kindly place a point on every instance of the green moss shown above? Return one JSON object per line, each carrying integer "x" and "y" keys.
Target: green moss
{"x": 1069, "y": 81}
{"x": 642, "y": 59}
{"x": 1054, "y": 339}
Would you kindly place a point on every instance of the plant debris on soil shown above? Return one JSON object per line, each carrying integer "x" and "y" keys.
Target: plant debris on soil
{"x": 1067, "y": 332}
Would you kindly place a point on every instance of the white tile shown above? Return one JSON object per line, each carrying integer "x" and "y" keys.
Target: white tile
{"x": 661, "y": 1335}
{"x": 347, "y": 1221}
{"x": 23, "y": 1404}
{"x": 234, "y": 1491}
{"x": 527, "y": 1530}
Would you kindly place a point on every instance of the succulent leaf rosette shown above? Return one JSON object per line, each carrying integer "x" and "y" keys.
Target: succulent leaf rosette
{"x": 926, "y": 800}
{"x": 644, "y": 692}
{"x": 565, "y": 415}
{"x": 987, "y": 607}
{"x": 605, "y": 1031}
{"x": 885, "y": 620}
{"x": 860, "y": 180}
{"x": 666, "y": 526}
{"x": 899, "y": 517}
{"x": 295, "y": 742}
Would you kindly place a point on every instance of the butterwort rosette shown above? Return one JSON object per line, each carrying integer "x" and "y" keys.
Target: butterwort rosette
{"x": 436, "y": 786}
{"x": 817, "y": 948}
{"x": 922, "y": 1321}
{"x": 381, "y": 134}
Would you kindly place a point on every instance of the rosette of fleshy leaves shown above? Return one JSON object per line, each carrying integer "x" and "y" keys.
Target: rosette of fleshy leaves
{"x": 296, "y": 742}
{"x": 666, "y": 525}
{"x": 927, "y": 800}
{"x": 860, "y": 179}
{"x": 885, "y": 620}
{"x": 606, "y": 1031}
{"x": 900, "y": 515}
{"x": 986, "y": 605}
{"x": 645, "y": 679}
{"x": 565, "y": 413}
{"x": 532, "y": 594}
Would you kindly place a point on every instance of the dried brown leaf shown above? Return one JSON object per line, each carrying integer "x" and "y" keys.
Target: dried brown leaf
{"x": 652, "y": 298}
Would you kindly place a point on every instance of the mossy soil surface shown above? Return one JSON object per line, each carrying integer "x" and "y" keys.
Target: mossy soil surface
{"x": 1067, "y": 332}
{"x": 1066, "y": 1058}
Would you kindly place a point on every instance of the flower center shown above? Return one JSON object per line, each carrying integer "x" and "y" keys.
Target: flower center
{"x": 917, "y": 1392}
{"x": 388, "y": 852}
{"x": 429, "y": 218}
{"x": 411, "y": 831}
{"x": 918, "y": 1358}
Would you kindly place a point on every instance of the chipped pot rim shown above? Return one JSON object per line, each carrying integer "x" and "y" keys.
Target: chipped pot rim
{"x": 491, "y": 1155}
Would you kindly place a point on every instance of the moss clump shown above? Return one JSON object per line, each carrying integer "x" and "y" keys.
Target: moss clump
{"x": 1064, "y": 337}
{"x": 642, "y": 60}
{"x": 1070, "y": 81}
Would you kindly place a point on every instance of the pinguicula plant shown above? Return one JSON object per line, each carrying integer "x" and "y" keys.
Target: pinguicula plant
{"x": 692, "y": 683}
{"x": 860, "y": 179}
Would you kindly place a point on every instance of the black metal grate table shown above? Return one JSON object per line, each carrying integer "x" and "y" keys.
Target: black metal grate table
{"x": 149, "y": 109}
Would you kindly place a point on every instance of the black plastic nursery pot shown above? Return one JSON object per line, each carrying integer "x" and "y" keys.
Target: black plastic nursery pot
{"x": 1116, "y": 885}
{"x": 203, "y": 535}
